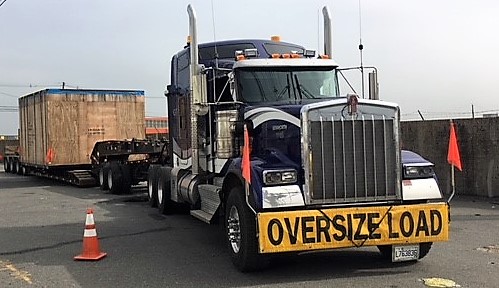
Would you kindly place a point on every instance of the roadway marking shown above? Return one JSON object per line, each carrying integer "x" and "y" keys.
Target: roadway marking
{"x": 14, "y": 272}
{"x": 440, "y": 282}
{"x": 490, "y": 249}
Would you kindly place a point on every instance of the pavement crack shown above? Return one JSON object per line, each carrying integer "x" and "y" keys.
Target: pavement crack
{"x": 34, "y": 249}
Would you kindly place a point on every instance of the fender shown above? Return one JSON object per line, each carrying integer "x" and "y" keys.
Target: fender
{"x": 234, "y": 173}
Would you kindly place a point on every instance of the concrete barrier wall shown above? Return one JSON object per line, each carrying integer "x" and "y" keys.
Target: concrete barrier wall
{"x": 478, "y": 143}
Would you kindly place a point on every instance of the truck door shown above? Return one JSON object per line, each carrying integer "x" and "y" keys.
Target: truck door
{"x": 179, "y": 106}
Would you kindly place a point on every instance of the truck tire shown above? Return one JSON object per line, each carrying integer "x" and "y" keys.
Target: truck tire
{"x": 19, "y": 168}
{"x": 9, "y": 165}
{"x": 13, "y": 166}
{"x": 25, "y": 170}
{"x": 6, "y": 165}
{"x": 126, "y": 183}
{"x": 242, "y": 241}
{"x": 152, "y": 185}
{"x": 114, "y": 178}
{"x": 386, "y": 250}
{"x": 103, "y": 174}
{"x": 165, "y": 204}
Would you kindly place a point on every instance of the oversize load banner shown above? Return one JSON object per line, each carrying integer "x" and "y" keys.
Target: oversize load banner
{"x": 352, "y": 227}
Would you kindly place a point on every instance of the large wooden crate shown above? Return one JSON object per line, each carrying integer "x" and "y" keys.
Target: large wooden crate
{"x": 60, "y": 126}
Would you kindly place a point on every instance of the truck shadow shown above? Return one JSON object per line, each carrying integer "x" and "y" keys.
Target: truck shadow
{"x": 9, "y": 181}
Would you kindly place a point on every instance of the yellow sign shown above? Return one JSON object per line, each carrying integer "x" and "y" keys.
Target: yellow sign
{"x": 352, "y": 227}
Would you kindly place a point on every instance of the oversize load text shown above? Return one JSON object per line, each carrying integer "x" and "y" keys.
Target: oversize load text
{"x": 350, "y": 227}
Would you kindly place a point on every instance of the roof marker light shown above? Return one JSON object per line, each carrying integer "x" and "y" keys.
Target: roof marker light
{"x": 239, "y": 55}
{"x": 252, "y": 52}
{"x": 309, "y": 53}
{"x": 275, "y": 38}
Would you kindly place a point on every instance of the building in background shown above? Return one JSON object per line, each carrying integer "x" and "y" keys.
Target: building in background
{"x": 156, "y": 127}
{"x": 9, "y": 145}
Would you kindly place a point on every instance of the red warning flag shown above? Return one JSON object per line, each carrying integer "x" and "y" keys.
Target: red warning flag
{"x": 453, "y": 156}
{"x": 246, "y": 163}
{"x": 50, "y": 156}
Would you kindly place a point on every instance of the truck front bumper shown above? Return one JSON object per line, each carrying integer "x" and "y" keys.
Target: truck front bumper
{"x": 317, "y": 229}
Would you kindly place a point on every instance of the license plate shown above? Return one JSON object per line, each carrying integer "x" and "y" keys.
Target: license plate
{"x": 405, "y": 253}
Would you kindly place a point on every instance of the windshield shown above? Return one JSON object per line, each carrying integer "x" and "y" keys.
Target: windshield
{"x": 285, "y": 84}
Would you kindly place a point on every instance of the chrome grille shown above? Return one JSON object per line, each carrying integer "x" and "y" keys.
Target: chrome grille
{"x": 352, "y": 160}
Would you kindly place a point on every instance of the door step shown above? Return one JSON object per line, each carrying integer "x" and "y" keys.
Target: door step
{"x": 210, "y": 201}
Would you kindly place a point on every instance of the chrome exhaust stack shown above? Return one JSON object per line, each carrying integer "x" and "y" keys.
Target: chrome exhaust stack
{"x": 198, "y": 93}
{"x": 328, "y": 32}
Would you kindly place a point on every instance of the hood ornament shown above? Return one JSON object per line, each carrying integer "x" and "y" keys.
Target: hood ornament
{"x": 352, "y": 102}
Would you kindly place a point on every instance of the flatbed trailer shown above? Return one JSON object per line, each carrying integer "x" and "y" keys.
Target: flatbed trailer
{"x": 120, "y": 164}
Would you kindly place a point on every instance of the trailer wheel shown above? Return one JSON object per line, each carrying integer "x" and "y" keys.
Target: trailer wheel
{"x": 240, "y": 226}
{"x": 13, "y": 165}
{"x": 114, "y": 178}
{"x": 6, "y": 164}
{"x": 152, "y": 185}
{"x": 19, "y": 168}
{"x": 165, "y": 203}
{"x": 9, "y": 165}
{"x": 386, "y": 250}
{"x": 103, "y": 175}
{"x": 26, "y": 170}
{"x": 126, "y": 182}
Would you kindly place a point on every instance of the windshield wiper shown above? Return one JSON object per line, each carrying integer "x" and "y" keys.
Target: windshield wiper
{"x": 302, "y": 90}
{"x": 286, "y": 88}
{"x": 298, "y": 84}
{"x": 289, "y": 90}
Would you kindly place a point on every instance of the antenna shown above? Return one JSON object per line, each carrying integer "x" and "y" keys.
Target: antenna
{"x": 361, "y": 47}
{"x": 214, "y": 34}
{"x": 318, "y": 30}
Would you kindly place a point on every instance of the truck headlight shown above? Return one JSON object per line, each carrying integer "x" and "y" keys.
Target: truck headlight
{"x": 413, "y": 172}
{"x": 275, "y": 177}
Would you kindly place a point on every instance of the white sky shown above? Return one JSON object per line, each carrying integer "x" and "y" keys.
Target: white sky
{"x": 438, "y": 57}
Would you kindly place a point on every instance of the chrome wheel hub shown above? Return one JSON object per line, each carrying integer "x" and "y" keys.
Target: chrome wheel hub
{"x": 234, "y": 229}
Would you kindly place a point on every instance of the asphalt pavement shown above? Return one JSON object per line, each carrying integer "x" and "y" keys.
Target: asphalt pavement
{"x": 42, "y": 223}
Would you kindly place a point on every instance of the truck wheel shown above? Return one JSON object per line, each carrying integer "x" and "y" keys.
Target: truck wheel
{"x": 6, "y": 165}
{"x": 165, "y": 203}
{"x": 126, "y": 182}
{"x": 386, "y": 250}
{"x": 13, "y": 166}
{"x": 9, "y": 165}
{"x": 152, "y": 185}
{"x": 114, "y": 178}
{"x": 25, "y": 170}
{"x": 19, "y": 167}
{"x": 103, "y": 174}
{"x": 241, "y": 233}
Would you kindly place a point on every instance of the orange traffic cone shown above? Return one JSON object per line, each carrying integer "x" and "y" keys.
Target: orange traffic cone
{"x": 91, "y": 250}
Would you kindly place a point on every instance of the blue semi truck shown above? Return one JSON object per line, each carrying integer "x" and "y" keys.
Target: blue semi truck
{"x": 322, "y": 170}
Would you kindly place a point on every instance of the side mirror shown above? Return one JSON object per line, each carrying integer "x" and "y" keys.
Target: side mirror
{"x": 168, "y": 90}
{"x": 239, "y": 128}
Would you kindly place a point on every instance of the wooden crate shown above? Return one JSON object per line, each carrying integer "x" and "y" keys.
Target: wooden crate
{"x": 61, "y": 126}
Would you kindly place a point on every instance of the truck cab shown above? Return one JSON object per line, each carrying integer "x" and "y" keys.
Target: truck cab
{"x": 262, "y": 141}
